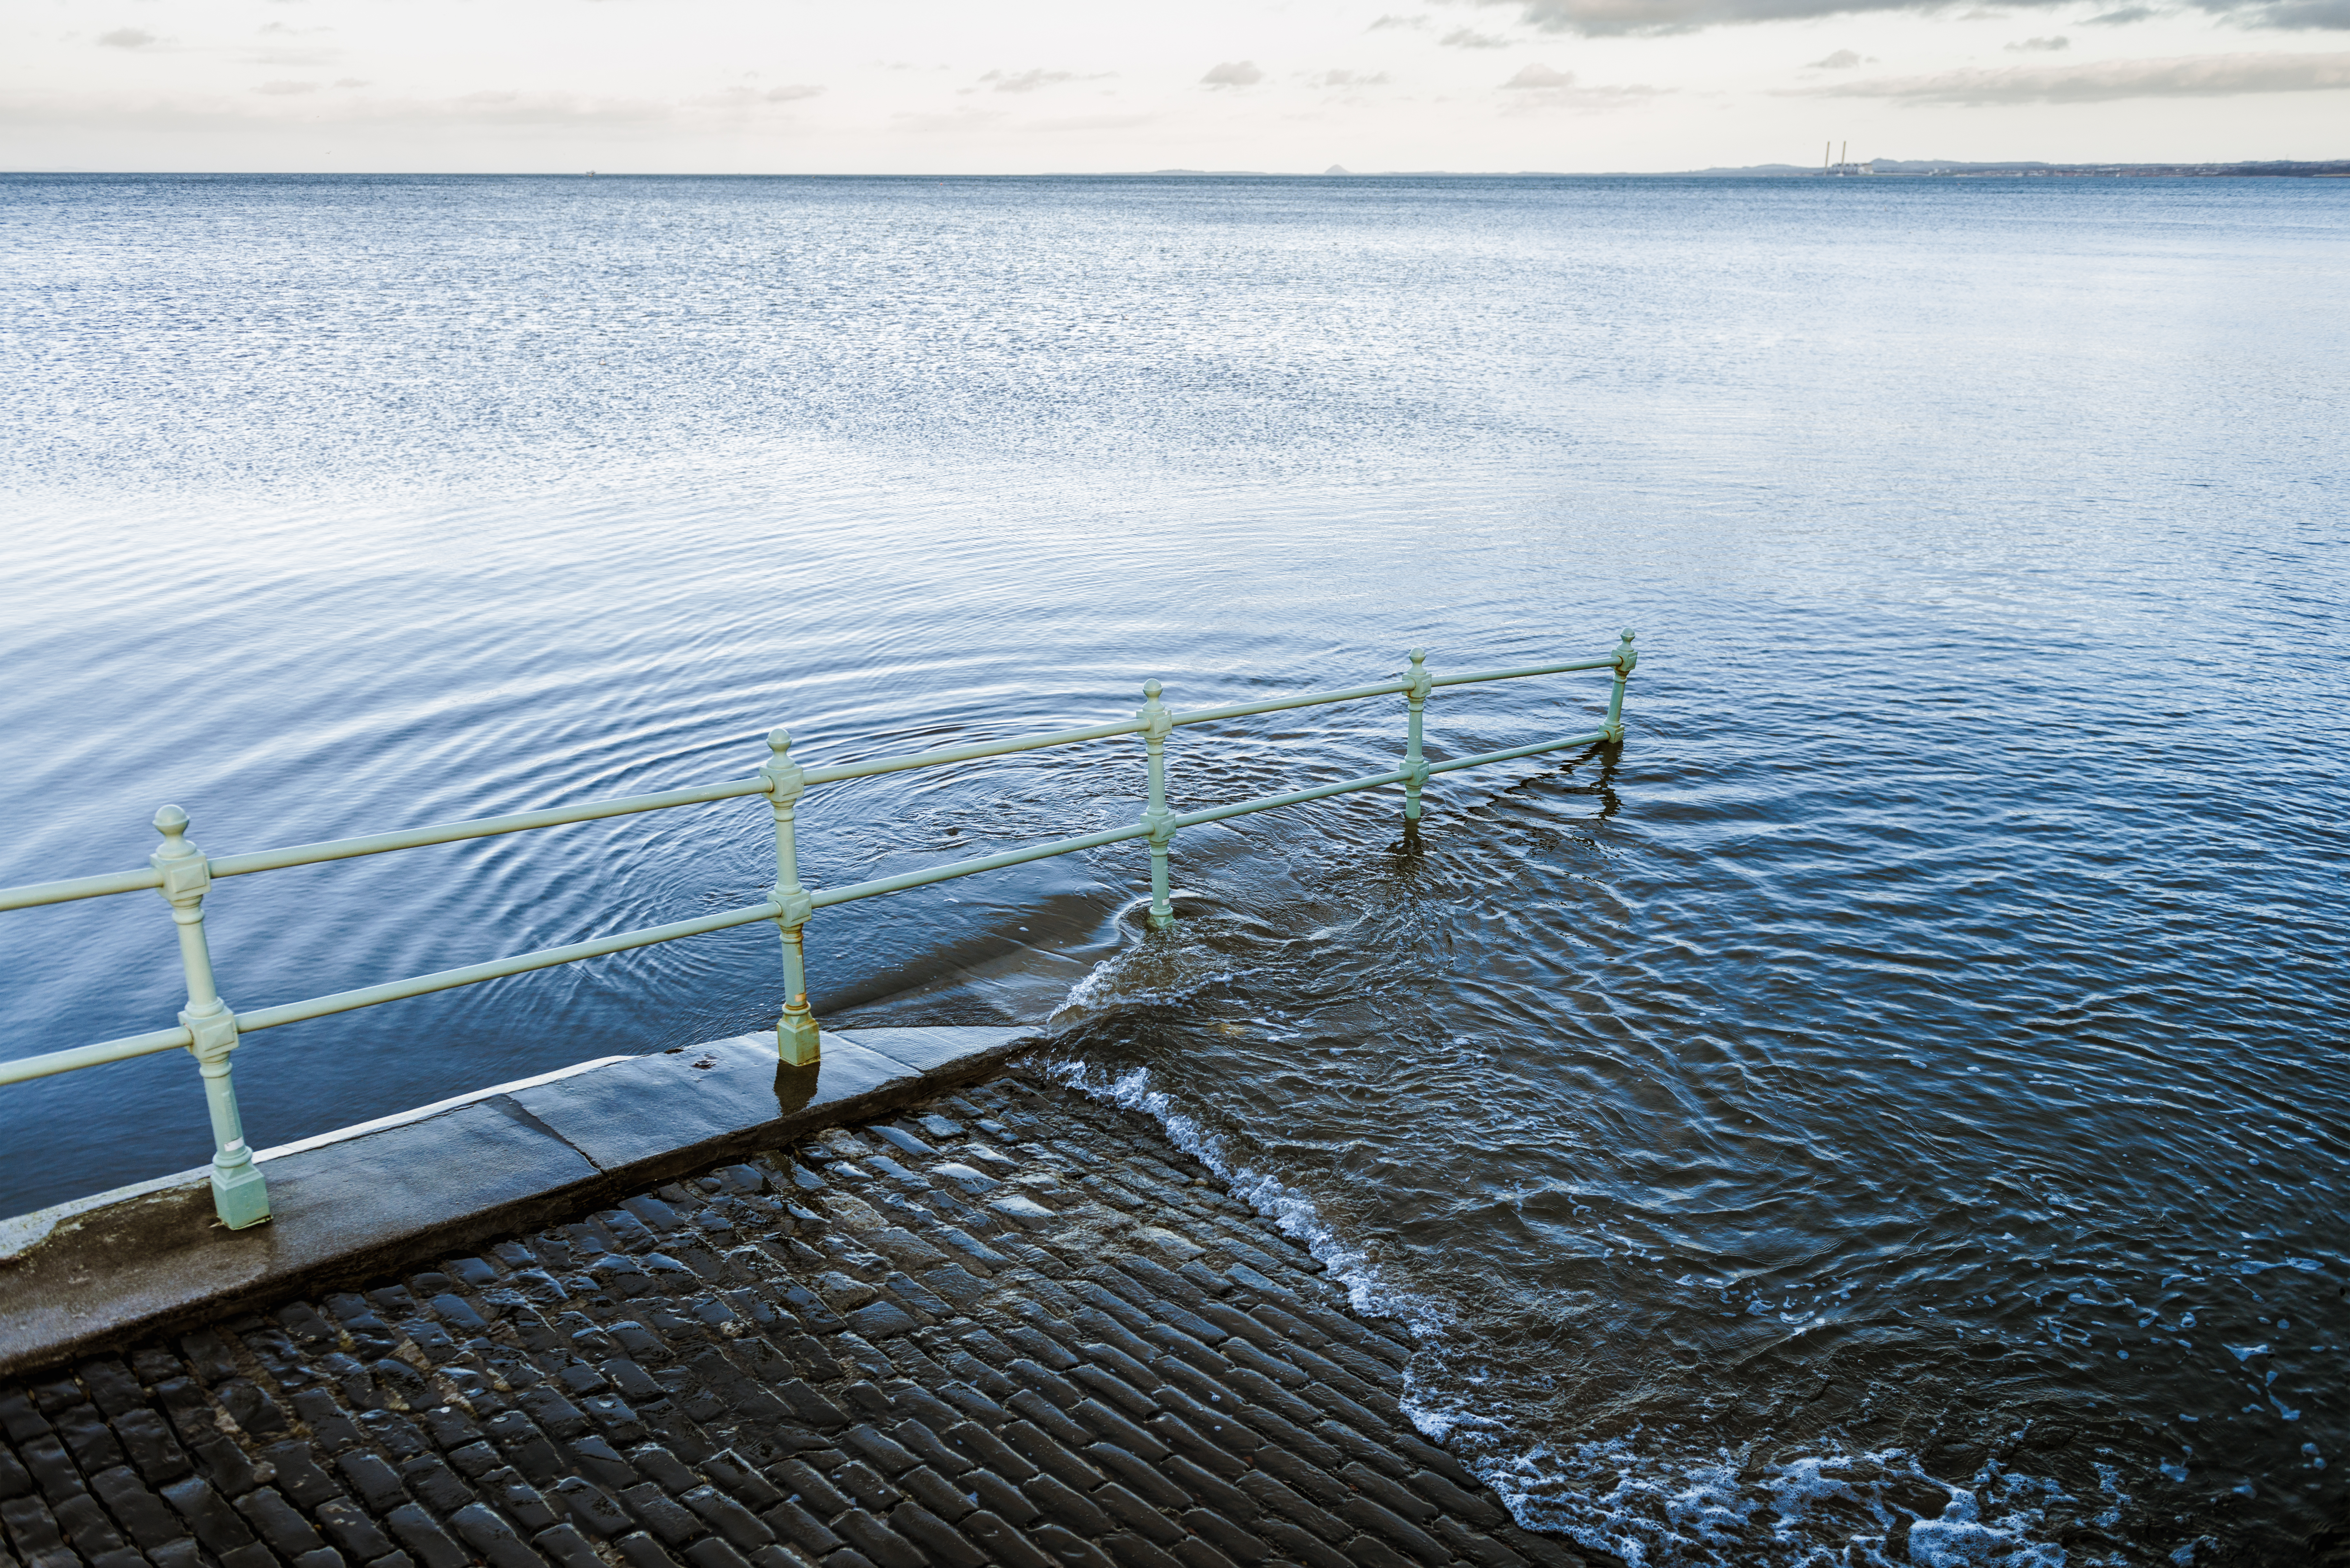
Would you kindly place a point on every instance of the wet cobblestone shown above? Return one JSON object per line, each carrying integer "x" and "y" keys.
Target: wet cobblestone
{"x": 1009, "y": 1326}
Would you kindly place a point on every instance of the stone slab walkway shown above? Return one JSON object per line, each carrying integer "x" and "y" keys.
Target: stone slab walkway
{"x": 150, "y": 1258}
{"x": 1004, "y": 1324}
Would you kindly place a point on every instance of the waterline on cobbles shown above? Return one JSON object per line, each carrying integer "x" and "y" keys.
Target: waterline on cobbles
{"x": 1643, "y": 1503}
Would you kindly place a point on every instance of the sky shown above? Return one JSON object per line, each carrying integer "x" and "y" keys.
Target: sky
{"x": 1060, "y": 86}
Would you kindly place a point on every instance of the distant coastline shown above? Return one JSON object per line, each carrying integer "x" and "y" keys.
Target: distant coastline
{"x": 2331, "y": 168}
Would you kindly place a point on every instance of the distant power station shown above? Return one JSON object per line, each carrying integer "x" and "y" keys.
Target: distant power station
{"x": 1836, "y": 162}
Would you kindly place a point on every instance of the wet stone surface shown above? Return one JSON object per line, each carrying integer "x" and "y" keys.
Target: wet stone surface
{"x": 1007, "y": 1327}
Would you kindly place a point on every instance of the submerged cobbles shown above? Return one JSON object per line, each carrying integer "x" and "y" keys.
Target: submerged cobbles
{"x": 1007, "y": 1327}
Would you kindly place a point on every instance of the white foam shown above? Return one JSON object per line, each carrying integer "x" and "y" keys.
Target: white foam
{"x": 1646, "y": 1503}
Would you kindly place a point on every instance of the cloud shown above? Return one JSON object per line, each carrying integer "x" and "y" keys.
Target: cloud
{"x": 1419, "y": 21}
{"x": 1234, "y": 73}
{"x": 1546, "y": 88}
{"x": 469, "y": 113}
{"x": 1462, "y": 38}
{"x": 741, "y": 98}
{"x": 557, "y": 109}
{"x": 959, "y": 121}
{"x": 1089, "y": 122}
{"x": 128, "y": 38}
{"x": 1027, "y": 82}
{"x": 2290, "y": 14}
{"x": 1622, "y": 18}
{"x": 2193, "y": 76}
{"x": 2124, "y": 16}
{"x": 2040, "y": 46}
{"x": 1842, "y": 60}
{"x": 1347, "y": 79}
{"x": 286, "y": 89}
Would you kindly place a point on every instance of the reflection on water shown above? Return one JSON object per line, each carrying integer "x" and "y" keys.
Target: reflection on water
{"x": 1888, "y": 1110}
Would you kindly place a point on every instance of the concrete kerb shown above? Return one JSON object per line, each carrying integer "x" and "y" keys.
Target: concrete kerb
{"x": 150, "y": 1258}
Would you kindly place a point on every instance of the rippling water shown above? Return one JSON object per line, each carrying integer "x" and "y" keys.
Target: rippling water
{"x": 1891, "y": 1110}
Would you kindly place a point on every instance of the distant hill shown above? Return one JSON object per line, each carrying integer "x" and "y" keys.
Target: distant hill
{"x": 2336, "y": 168}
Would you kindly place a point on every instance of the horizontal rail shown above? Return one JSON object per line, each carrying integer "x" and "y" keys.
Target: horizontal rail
{"x": 1588, "y": 738}
{"x": 390, "y": 991}
{"x": 34, "y": 893}
{"x": 97, "y": 1055}
{"x": 965, "y": 753}
{"x": 906, "y": 880}
{"x": 111, "y": 883}
{"x": 549, "y": 957}
{"x": 498, "y": 969}
{"x": 484, "y": 827}
{"x": 1607, "y": 663}
{"x": 380, "y": 843}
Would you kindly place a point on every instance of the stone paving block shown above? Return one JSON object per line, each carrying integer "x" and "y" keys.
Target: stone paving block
{"x": 710, "y": 1551}
{"x": 1288, "y": 1437}
{"x": 142, "y": 1515}
{"x": 1004, "y": 1542}
{"x": 665, "y": 1377}
{"x": 1300, "y": 1545}
{"x": 423, "y": 1539}
{"x": 492, "y": 1538}
{"x": 1282, "y": 1502}
{"x": 935, "y": 1493}
{"x": 801, "y": 1528}
{"x": 641, "y": 1551}
{"x": 1069, "y": 1547}
{"x": 208, "y": 1514}
{"x": 1303, "y": 1477}
{"x": 1236, "y": 1544}
{"x": 880, "y": 1544}
{"x": 1371, "y": 1551}
{"x": 1048, "y": 1455}
{"x": 1386, "y": 1522}
{"x": 565, "y": 1548}
{"x": 278, "y": 1522}
{"x": 867, "y": 1485}
{"x": 352, "y": 1531}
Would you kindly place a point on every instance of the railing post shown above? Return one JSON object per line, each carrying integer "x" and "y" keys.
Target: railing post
{"x": 240, "y": 1194}
{"x": 797, "y": 1041}
{"x": 1626, "y": 661}
{"x": 1415, "y": 696}
{"x": 1158, "y": 722}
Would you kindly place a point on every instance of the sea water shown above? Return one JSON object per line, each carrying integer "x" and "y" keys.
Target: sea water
{"x": 1889, "y": 1110}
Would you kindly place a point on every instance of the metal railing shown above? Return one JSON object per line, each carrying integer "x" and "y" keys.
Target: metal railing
{"x": 209, "y": 1030}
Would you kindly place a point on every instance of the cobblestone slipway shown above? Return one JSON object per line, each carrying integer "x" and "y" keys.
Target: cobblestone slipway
{"x": 1008, "y": 1326}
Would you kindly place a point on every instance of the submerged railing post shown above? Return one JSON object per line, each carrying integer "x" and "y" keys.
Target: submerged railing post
{"x": 1626, "y": 661}
{"x": 240, "y": 1194}
{"x": 1159, "y": 723}
{"x": 797, "y": 1042}
{"x": 1415, "y": 697}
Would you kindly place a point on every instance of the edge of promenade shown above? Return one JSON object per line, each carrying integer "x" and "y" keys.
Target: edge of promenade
{"x": 150, "y": 1258}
